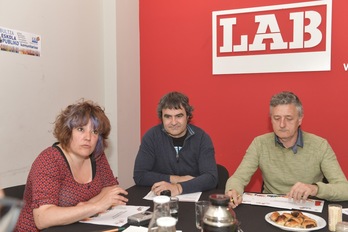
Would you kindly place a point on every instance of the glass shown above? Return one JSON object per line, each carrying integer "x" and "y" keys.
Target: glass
{"x": 335, "y": 215}
{"x": 160, "y": 209}
{"x": 200, "y": 208}
{"x": 174, "y": 207}
{"x": 342, "y": 226}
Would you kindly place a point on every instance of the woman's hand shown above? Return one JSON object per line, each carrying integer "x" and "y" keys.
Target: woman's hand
{"x": 51, "y": 215}
{"x": 110, "y": 196}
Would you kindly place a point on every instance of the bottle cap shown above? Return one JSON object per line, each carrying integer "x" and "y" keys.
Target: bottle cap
{"x": 166, "y": 193}
{"x": 161, "y": 199}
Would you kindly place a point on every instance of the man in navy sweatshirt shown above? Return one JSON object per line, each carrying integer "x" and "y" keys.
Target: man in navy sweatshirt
{"x": 176, "y": 155}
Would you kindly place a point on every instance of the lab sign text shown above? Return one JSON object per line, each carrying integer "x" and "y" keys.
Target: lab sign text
{"x": 282, "y": 38}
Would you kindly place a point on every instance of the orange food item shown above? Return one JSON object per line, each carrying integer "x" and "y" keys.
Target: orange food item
{"x": 295, "y": 219}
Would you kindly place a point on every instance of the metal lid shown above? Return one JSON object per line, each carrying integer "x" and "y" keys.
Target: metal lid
{"x": 219, "y": 199}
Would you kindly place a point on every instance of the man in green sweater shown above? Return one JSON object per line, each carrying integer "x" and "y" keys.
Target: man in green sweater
{"x": 292, "y": 161}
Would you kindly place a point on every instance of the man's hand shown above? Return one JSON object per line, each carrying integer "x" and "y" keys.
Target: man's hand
{"x": 236, "y": 198}
{"x": 158, "y": 187}
{"x": 301, "y": 191}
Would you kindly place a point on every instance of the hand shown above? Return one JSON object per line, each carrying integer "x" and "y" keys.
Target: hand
{"x": 158, "y": 187}
{"x": 110, "y": 196}
{"x": 236, "y": 198}
{"x": 51, "y": 215}
{"x": 301, "y": 191}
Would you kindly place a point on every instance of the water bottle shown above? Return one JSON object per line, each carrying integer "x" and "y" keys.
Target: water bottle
{"x": 166, "y": 224}
{"x": 160, "y": 209}
{"x": 219, "y": 216}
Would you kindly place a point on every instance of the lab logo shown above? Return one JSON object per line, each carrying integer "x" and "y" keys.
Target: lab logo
{"x": 281, "y": 38}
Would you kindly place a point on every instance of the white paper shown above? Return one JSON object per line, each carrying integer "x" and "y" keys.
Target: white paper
{"x": 139, "y": 229}
{"x": 189, "y": 197}
{"x": 345, "y": 211}
{"x": 281, "y": 201}
{"x": 136, "y": 229}
{"x": 117, "y": 216}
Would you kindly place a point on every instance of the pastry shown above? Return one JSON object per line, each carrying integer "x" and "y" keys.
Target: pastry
{"x": 292, "y": 222}
{"x": 295, "y": 219}
{"x": 309, "y": 223}
{"x": 281, "y": 220}
{"x": 274, "y": 216}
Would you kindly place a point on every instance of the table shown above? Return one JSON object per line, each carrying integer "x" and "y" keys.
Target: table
{"x": 252, "y": 217}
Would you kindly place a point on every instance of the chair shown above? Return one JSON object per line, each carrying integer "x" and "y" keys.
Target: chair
{"x": 10, "y": 209}
{"x": 223, "y": 175}
{"x": 15, "y": 191}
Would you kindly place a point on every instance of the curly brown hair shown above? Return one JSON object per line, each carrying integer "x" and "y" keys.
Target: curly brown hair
{"x": 78, "y": 115}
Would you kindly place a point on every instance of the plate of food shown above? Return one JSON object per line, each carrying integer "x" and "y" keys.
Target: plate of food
{"x": 295, "y": 220}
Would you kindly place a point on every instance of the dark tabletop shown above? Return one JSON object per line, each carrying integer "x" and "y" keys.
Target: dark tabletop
{"x": 252, "y": 218}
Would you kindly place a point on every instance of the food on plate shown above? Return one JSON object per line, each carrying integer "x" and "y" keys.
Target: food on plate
{"x": 274, "y": 216}
{"x": 295, "y": 219}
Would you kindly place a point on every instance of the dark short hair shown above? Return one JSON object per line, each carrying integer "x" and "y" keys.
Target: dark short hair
{"x": 285, "y": 98}
{"x": 175, "y": 100}
{"x": 77, "y": 115}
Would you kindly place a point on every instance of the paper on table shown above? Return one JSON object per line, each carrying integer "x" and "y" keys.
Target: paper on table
{"x": 139, "y": 229}
{"x": 189, "y": 197}
{"x": 345, "y": 211}
{"x": 117, "y": 216}
{"x": 281, "y": 201}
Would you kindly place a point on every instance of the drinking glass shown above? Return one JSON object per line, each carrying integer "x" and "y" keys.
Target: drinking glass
{"x": 200, "y": 208}
{"x": 174, "y": 207}
{"x": 335, "y": 215}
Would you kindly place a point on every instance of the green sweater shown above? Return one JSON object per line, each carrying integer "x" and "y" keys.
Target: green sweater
{"x": 281, "y": 168}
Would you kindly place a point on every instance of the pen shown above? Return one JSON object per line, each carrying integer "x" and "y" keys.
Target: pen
{"x": 231, "y": 199}
{"x": 115, "y": 230}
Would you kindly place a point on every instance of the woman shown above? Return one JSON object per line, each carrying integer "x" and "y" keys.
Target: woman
{"x": 72, "y": 179}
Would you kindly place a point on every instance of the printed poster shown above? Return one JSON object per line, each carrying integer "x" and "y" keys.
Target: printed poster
{"x": 19, "y": 42}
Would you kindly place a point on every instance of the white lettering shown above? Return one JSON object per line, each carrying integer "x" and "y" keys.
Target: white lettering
{"x": 312, "y": 29}
{"x": 345, "y": 66}
{"x": 243, "y": 46}
{"x": 227, "y": 25}
{"x": 268, "y": 29}
{"x": 293, "y": 37}
{"x": 267, "y": 21}
{"x": 298, "y": 22}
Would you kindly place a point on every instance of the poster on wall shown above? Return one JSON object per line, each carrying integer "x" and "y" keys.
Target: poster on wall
{"x": 19, "y": 42}
{"x": 278, "y": 38}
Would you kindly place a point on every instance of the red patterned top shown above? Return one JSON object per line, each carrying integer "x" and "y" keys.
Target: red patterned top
{"x": 50, "y": 181}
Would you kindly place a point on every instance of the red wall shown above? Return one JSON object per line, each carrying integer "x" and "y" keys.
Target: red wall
{"x": 176, "y": 55}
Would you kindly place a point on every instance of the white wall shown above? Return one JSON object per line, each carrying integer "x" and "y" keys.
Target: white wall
{"x": 128, "y": 87}
{"x": 79, "y": 59}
